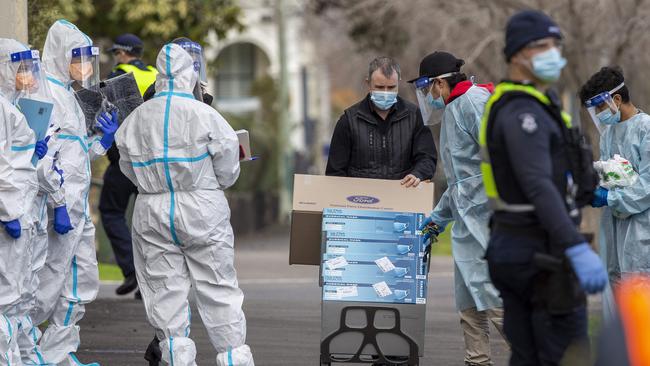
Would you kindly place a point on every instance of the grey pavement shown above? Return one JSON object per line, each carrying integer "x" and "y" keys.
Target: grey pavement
{"x": 282, "y": 307}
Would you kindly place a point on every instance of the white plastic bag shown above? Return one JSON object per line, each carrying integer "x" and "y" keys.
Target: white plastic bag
{"x": 616, "y": 173}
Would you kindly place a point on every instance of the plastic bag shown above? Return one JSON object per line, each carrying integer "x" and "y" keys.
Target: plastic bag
{"x": 616, "y": 173}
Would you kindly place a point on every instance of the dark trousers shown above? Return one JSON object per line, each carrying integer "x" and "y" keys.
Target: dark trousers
{"x": 537, "y": 338}
{"x": 113, "y": 202}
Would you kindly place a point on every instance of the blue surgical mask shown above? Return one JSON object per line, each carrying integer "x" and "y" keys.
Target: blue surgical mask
{"x": 400, "y": 294}
{"x": 438, "y": 103}
{"x": 548, "y": 65}
{"x": 606, "y": 117}
{"x": 399, "y": 227}
{"x": 400, "y": 271}
{"x": 403, "y": 249}
{"x": 383, "y": 99}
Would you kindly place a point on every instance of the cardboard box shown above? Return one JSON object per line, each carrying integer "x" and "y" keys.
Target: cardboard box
{"x": 313, "y": 193}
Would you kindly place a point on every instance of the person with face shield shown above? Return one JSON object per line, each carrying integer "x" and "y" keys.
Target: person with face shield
{"x": 18, "y": 189}
{"x": 21, "y": 77}
{"x": 625, "y": 130}
{"x": 69, "y": 280}
{"x": 200, "y": 90}
{"x": 182, "y": 155}
{"x": 382, "y": 136}
{"x": 537, "y": 173}
{"x": 441, "y": 85}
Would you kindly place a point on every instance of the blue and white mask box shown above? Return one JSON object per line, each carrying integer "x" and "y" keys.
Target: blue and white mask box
{"x": 373, "y": 256}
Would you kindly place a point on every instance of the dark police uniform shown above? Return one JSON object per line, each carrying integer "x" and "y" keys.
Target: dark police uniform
{"x": 117, "y": 189}
{"x": 528, "y": 179}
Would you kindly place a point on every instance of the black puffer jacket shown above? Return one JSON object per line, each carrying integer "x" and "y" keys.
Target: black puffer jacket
{"x": 366, "y": 146}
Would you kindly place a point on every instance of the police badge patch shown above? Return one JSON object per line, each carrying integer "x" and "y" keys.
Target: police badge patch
{"x": 528, "y": 123}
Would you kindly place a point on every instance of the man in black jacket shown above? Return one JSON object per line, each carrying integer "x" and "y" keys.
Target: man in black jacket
{"x": 383, "y": 136}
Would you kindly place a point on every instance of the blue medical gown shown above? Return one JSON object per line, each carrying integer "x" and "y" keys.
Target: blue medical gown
{"x": 465, "y": 202}
{"x": 625, "y": 243}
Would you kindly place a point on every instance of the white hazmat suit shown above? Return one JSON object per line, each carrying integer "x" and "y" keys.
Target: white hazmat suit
{"x": 181, "y": 154}
{"x": 18, "y": 188}
{"x": 70, "y": 278}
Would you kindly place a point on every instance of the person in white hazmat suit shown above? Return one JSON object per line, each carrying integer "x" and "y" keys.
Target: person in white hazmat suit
{"x": 70, "y": 280}
{"x": 182, "y": 155}
{"x": 18, "y": 188}
{"x": 21, "y": 77}
{"x": 441, "y": 85}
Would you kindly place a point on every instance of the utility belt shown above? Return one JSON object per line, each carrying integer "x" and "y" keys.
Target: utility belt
{"x": 556, "y": 287}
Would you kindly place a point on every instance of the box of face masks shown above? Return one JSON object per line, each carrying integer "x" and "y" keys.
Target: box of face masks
{"x": 314, "y": 193}
{"x": 373, "y": 256}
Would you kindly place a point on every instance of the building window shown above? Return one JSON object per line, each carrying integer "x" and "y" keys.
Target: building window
{"x": 236, "y": 71}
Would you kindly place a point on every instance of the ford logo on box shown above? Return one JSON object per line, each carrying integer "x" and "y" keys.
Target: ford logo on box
{"x": 364, "y": 200}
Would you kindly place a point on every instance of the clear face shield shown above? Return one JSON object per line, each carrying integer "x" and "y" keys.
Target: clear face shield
{"x": 28, "y": 77}
{"x": 196, "y": 51}
{"x": 427, "y": 101}
{"x": 84, "y": 66}
{"x": 602, "y": 109}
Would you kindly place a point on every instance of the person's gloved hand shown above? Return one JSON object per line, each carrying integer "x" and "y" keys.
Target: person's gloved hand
{"x": 600, "y": 197}
{"x": 432, "y": 229}
{"x": 588, "y": 267}
{"x": 108, "y": 124}
{"x": 41, "y": 148}
{"x": 62, "y": 220}
{"x": 12, "y": 228}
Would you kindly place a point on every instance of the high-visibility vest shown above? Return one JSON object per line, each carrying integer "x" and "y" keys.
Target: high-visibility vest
{"x": 633, "y": 299}
{"x": 494, "y": 200}
{"x": 143, "y": 78}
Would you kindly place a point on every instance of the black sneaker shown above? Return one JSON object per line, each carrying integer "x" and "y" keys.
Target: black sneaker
{"x": 130, "y": 283}
{"x": 153, "y": 353}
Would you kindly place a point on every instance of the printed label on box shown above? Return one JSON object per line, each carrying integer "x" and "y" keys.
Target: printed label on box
{"x": 385, "y": 264}
{"x": 382, "y": 289}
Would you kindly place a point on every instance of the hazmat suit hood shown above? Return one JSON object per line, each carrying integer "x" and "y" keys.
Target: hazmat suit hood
{"x": 62, "y": 37}
{"x": 176, "y": 71}
{"x": 7, "y": 74}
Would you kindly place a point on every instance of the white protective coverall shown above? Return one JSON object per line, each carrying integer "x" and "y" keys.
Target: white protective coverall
{"x": 181, "y": 154}
{"x": 70, "y": 278}
{"x": 18, "y": 189}
{"x": 50, "y": 193}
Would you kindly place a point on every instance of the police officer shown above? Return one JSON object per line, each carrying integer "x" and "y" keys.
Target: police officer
{"x": 537, "y": 174}
{"x": 117, "y": 189}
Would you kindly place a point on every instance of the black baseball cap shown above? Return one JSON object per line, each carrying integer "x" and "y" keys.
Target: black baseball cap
{"x": 438, "y": 63}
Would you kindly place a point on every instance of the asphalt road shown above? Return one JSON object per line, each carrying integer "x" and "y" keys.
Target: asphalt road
{"x": 282, "y": 307}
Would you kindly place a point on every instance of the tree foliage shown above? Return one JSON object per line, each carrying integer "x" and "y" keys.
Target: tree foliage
{"x": 155, "y": 21}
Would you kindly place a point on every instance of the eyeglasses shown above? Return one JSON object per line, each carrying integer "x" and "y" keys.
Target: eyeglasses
{"x": 545, "y": 44}
{"x": 117, "y": 52}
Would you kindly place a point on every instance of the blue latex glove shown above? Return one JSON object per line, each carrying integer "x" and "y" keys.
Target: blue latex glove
{"x": 588, "y": 267}
{"x": 41, "y": 148}
{"x": 62, "y": 220}
{"x": 108, "y": 124}
{"x": 12, "y": 228}
{"x": 429, "y": 222}
{"x": 600, "y": 197}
